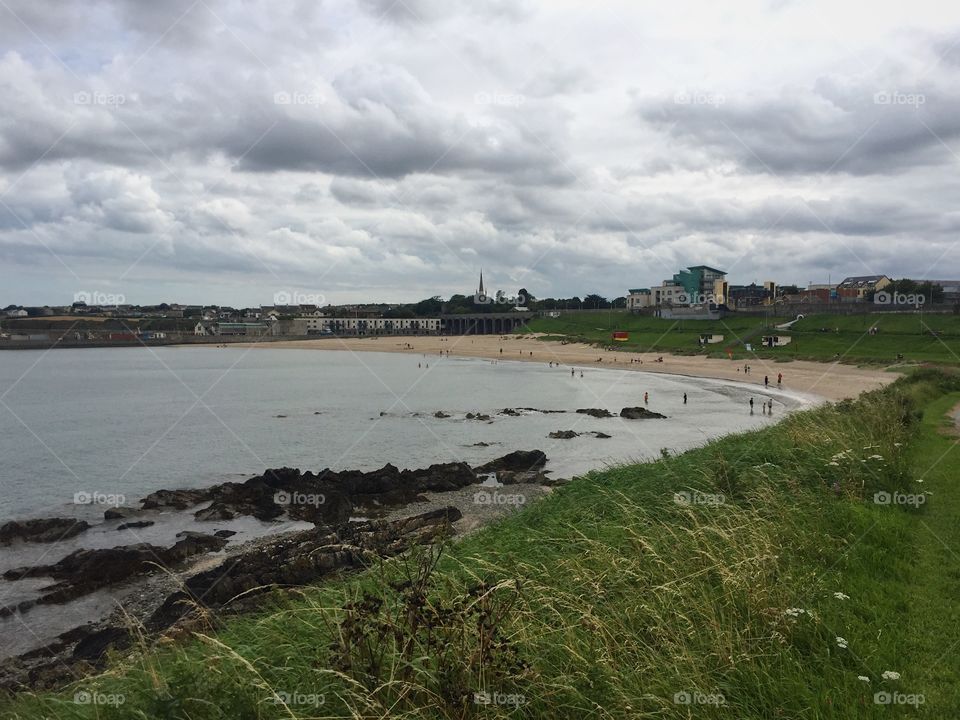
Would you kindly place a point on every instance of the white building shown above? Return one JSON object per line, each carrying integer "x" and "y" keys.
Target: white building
{"x": 373, "y": 326}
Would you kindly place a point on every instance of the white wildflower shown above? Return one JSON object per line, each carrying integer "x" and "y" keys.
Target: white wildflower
{"x": 864, "y": 678}
{"x": 841, "y": 643}
{"x": 841, "y": 596}
{"x": 890, "y": 675}
{"x": 876, "y": 457}
{"x": 794, "y": 612}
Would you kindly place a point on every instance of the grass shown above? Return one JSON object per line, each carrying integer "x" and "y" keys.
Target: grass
{"x": 918, "y": 338}
{"x": 710, "y": 576}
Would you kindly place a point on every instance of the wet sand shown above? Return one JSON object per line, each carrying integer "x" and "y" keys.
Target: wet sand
{"x": 832, "y": 381}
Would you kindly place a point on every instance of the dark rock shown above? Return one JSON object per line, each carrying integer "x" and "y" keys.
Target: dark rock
{"x": 596, "y": 412}
{"x": 83, "y": 571}
{"x": 300, "y": 559}
{"x": 511, "y": 412}
{"x": 135, "y": 524}
{"x": 640, "y": 413}
{"x": 477, "y": 416}
{"x": 601, "y": 435}
{"x": 95, "y": 645}
{"x": 521, "y": 460}
{"x": 440, "y": 414}
{"x": 563, "y": 434}
{"x": 121, "y": 513}
{"x": 224, "y": 533}
{"x": 42, "y": 530}
{"x": 177, "y": 499}
{"x": 513, "y": 477}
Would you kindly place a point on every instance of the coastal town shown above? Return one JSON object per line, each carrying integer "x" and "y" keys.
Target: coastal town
{"x": 698, "y": 292}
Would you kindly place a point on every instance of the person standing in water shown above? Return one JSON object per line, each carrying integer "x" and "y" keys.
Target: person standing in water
{"x": 684, "y": 398}
{"x": 646, "y": 398}
{"x": 751, "y": 406}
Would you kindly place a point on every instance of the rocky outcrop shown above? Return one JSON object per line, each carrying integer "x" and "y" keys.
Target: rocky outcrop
{"x": 135, "y": 524}
{"x": 300, "y": 559}
{"x": 519, "y": 460}
{"x": 596, "y": 412}
{"x": 84, "y": 571}
{"x": 640, "y": 413}
{"x": 563, "y": 434}
{"x": 43, "y": 530}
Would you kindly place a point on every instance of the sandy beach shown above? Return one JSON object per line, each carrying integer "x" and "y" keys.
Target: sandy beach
{"x": 832, "y": 381}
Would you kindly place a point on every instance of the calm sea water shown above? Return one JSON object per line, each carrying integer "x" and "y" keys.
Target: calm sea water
{"x": 126, "y": 421}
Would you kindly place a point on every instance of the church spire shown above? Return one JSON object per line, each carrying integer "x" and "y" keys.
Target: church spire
{"x": 480, "y": 289}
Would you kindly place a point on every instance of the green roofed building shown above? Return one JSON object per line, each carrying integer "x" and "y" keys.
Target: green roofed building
{"x": 698, "y": 281}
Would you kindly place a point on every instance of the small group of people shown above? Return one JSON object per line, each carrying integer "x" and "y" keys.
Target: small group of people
{"x": 766, "y": 407}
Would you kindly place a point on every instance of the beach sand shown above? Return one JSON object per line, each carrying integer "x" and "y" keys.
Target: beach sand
{"x": 832, "y": 381}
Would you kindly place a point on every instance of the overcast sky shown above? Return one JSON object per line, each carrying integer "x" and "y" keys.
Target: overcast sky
{"x": 341, "y": 150}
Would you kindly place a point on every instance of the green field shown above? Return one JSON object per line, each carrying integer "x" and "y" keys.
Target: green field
{"x": 757, "y": 577}
{"x": 918, "y": 338}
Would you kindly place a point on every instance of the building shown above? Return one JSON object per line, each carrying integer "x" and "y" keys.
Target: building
{"x": 372, "y": 326}
{"x": 698, "y": 282}
{"x": 749, "y": 295}
{"x": 855, "y": 289}
{"x": 639, "y": 298}
{"x": 951, "y": 290}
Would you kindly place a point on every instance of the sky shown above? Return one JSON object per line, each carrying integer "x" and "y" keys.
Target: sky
{"x": 335, "y": 151}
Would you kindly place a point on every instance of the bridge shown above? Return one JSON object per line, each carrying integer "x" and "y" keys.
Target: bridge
{"x": 484, "y": 323}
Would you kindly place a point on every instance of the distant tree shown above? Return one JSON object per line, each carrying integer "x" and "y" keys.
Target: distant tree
{"x": 595, "y": 302}
{"x": 428, "y": 308}
{"x": 620, "y": 302}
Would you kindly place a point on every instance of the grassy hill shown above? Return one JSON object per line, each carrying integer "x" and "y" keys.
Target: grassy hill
{"x": 764, "y": 575}
{"x": 933, "y": 338}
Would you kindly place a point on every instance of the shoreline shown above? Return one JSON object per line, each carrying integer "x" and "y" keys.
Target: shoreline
{"x": 830, "y": 381}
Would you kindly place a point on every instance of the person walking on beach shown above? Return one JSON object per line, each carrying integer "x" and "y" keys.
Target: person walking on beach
{"x": 684, "y": 398}
{"x": 646, "y": 398}
{"x": 766, "y": 381}
{"x": 770, "y": 407}
{"x": 751, "y": 406}
{"x": 779, "y": 379}
{"x": 571, "y": 372}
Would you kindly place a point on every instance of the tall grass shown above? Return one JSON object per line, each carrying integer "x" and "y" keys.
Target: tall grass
{"x": 701, "y": 585}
